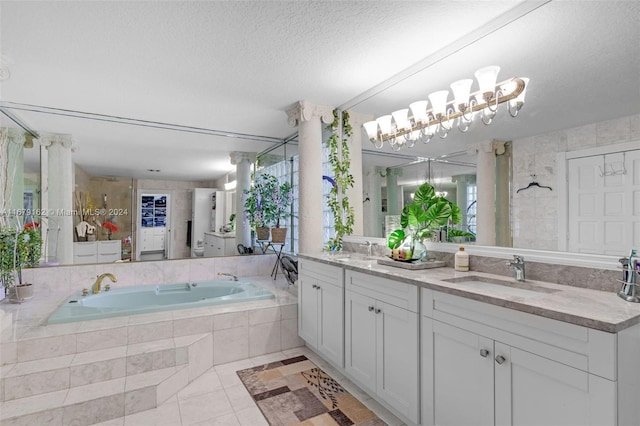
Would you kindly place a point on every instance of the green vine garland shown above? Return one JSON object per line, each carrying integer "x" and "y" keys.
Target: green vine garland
{"x": 340, "y": 162}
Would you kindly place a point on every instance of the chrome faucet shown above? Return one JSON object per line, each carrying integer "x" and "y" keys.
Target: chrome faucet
{"x": 95, "y": 289}
{"x": 369, "y": 245}
{"x": 228, "y": 275}
{"x": 518, "y": 267}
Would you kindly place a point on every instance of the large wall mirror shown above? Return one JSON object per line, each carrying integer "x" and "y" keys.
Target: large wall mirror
{"x": 581, "y": 116}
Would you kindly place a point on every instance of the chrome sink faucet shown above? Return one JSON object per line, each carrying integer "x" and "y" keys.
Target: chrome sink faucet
{"x": 369, "y": 245}
{"x": 518, "y": 267}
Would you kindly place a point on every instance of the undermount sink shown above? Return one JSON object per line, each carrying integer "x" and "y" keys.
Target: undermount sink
{"x": 347, "y": 259}
{"x": 506, "y": 288}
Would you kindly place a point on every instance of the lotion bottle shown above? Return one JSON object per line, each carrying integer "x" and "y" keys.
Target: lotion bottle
{"x": 461, "y": 260}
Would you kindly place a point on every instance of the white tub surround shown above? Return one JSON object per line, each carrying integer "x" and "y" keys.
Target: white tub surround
{"x": 92, "y": 371}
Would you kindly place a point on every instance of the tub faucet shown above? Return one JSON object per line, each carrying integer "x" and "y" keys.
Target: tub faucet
{"x": 518, "y": 267}
{"x": 95, "y": 289}
{"x": 228, "y": 275}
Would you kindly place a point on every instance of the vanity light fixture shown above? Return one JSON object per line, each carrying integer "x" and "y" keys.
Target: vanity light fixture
{"x": 418, "y": 123}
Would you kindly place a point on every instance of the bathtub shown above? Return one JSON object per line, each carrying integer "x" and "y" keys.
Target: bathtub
{"x": 156, "y": 298}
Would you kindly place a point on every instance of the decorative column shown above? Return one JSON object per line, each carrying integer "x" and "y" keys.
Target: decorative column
{"x": 503, "y": 197}
{"x": 486, "y": 182}
{"x": 374, "y": 205}
{"x": 393, "y": 204}
{"x": 462, "y": 182}
{"x": 59, "y": 194}
{"x": 11, "y": 170}
{"x": 242, "y": 161}
{"x": 308, "y": 118}
{"x": 355, "y": 194}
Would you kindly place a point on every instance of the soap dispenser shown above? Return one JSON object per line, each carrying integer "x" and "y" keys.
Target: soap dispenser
{"x": 461, "y": 260}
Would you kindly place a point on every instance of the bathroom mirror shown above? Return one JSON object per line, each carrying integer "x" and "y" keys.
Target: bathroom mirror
{"x": 582, "y": 94}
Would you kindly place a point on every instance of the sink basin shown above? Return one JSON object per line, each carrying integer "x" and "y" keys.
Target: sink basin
{"x": 504, "y": 288}
{"x": 348, "y": 259}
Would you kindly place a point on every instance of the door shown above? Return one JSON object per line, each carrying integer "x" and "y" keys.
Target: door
{"x": 463, "y": 377}
{"x": 308, "y": 309}
{"x": 532, "y": 390}
{"x": 330, "y": 320}
{"x": 360, "y": 339}
{"x": 604, "y": 203}
{"x": 397, "y": 358}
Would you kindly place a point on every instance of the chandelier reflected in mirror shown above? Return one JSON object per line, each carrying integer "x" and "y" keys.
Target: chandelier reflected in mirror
{"x": 405, "y": 127}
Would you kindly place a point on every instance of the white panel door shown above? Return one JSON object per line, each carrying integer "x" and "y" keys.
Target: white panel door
{"x": 331, "y": 325}
{"x": 604, "y": 203}
{"x": 463, "y": 377}
{"x": 308, "y": 309}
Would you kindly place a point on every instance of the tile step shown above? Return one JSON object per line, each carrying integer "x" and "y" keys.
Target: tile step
{"x": 97, "y": 402}
{"x": 47, "y": 375}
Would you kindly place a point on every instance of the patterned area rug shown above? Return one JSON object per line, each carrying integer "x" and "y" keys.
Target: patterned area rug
{"x": 296, "y": 392}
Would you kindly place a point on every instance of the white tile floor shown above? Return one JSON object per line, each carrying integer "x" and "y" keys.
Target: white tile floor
{"x": 218, "y": 398}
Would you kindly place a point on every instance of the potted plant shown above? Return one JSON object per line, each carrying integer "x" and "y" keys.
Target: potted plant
{"x": 420, "y": 220}
{"x": 267, "y": 203}
{"x": 19, "y": 250}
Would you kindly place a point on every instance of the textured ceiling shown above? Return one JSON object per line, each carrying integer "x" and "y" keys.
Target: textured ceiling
{"x": 237, "y": 66}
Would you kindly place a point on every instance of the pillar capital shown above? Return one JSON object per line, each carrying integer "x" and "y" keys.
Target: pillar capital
{"x": 495, "y": 146}
{"x": 393, "y": 171}
{"x": 13, "y": 136}
{"x": 238, "y": 157}
{"x": 304, "y": 111}
{"x": 65, "y": 141}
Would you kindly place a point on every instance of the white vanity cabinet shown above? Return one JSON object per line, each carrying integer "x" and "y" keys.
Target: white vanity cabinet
{"x": 487, "y": 365}
{"x": 97, "y": 251}
{"x": 381, "y": 340}
{"x": 219, "y": 244}
{"x": 321, "y": 309}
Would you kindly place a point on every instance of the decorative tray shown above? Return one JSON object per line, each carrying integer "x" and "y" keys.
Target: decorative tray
{"x": 412, "y": 264}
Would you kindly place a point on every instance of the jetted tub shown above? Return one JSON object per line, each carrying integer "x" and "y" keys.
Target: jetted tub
{"x": 155, "y": 298}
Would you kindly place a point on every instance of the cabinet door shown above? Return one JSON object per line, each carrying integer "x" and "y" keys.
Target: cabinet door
{"x": 462, "y": 377}
{"x": 331, "y": 324}
{"x": 397, "y": 358}
{"x": 308, "y": 309}
{"x": 360, "y": 339}
{"x": 532, "y": 390}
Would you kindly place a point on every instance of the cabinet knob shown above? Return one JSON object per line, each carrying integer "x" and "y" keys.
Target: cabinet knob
{"x": 314, "y": 286}
{"x": 500, "y": 359}
{"x": 318, "y": 287}
{"x": 371, "y": 308}
{"x": 484, "y": 353}
{"x": 378, "y": 310}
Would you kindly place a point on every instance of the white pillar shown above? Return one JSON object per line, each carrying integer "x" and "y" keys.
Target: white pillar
{"x": 462, "y": 182}
{"x": 60, "y": 190}
{"x": 374, "y": 205}
{"x": 393, "y": 201}
{"x": 503, "y": 197}
{"x": 242, "y": 161}
{"x": 355, "y": 151}
{"x": 486, "y": 182}
{"x": 308, "y": 118}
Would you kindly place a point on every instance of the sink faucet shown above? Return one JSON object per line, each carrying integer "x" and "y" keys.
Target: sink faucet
{"x": 95, "y": 289}
{"x": 369, "y": 245}
{"x": 518, "y": 267}
{"x": 228, "y": 275}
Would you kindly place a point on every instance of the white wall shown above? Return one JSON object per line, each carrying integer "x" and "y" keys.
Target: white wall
{"x": 534, "y": 212}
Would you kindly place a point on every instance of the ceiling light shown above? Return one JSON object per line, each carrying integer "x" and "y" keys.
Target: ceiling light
{"x": 401, "y": 129}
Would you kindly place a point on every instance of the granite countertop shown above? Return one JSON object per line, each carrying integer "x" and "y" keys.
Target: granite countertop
{"x": 589, "y": 308}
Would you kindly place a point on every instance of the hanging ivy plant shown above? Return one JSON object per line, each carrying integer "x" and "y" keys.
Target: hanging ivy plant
{"x": 339, "y": 159}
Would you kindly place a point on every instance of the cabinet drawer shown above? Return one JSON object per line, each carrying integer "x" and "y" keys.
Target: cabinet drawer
{"x": 577, "y": 346}
{"x": 321, "y": 271}
{"x": 395, "y": 293}
{"x": 84, "y": 248}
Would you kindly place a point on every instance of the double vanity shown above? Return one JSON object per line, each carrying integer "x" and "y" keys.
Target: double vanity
{"x": 441, "y": 347}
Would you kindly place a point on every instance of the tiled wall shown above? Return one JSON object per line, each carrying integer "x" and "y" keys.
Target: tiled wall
{"x": 77, "y": 277}
{"x": 534, "y": 213}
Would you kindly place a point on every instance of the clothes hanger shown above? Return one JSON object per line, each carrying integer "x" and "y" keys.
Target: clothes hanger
{"x": 534, "y": 183}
